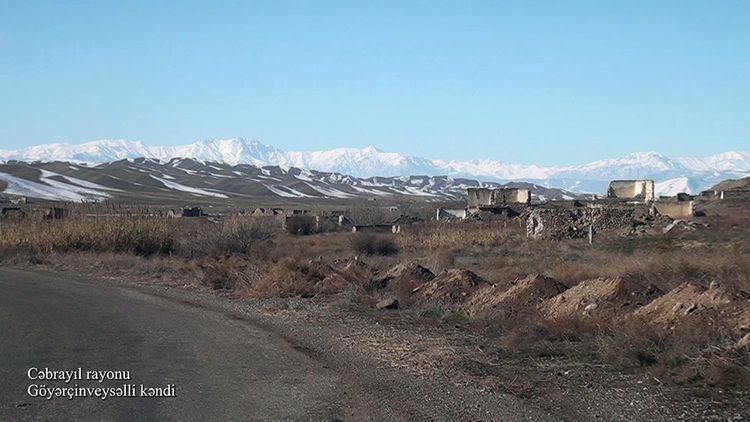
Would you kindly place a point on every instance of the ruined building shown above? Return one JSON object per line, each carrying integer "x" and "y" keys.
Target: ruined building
{"x": 633, "y": 190}
{"x": 488, "y": 198}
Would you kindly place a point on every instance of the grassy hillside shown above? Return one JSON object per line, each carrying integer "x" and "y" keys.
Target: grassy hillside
{"x": 743, "y": 183}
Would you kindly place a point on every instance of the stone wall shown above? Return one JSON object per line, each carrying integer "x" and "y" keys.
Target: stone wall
{"x": 479, "y": 197}
{"x": 562, "y": 223}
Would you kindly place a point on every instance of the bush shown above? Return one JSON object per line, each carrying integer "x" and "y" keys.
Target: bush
{"x": 232, "y": 273}
{"x": 370, "y": 244}
{"x": 231, "y": 235}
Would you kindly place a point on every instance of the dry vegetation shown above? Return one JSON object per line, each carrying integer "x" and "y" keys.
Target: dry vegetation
{"x": 617, "y": 301}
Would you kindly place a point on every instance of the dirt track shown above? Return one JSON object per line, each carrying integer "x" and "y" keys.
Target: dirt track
{"x": 225, "y": 362}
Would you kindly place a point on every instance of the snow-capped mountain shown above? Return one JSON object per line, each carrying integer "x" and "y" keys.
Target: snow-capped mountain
{"x": 690, "y": 174}
{"x": 187, "y": 181}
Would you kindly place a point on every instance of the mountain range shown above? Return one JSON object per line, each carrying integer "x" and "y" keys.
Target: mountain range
{"x": 184, "y": 181}
{"x": 672, "y": 175}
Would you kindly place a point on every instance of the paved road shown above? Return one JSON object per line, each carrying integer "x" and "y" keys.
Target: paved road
{"x": 223, "y": 368}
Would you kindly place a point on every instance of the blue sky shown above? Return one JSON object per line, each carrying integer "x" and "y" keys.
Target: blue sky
{"x": 546, "y": 82}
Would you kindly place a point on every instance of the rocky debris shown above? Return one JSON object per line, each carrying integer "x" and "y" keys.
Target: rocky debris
{"x": 387, "y": 303}
{"x": 522, "y": 294}
{"x": 600, "y": 297}
{"x": 715, "y": 307}
{"x": 561, "y": 223}
{"x": 685, "y": 225}
{"x": 451, "y": 287}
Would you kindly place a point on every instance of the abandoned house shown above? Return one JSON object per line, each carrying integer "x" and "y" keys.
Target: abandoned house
{"x": 301, "y": 224}
{"x": 444, "y": 214}
{"x": 12, "y": 212}
{"x": 634, "y": 190}
{"x": 377, "y": 228}
{"x": 192, "y": 212}
{"x": 489, "y": 198}
{"x": 373, "y": 225}
{"x": 54, "y": 213}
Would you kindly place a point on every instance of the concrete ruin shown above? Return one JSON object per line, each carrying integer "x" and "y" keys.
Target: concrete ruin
{"x": 12, "y": 212}
{"x": 444, "y": 214}
{"x": 301, "y": 224}
{"x": 54, "y": 213}
{"x": 673, "y": 209}
{"x": 632, "y": 190}
{"x": 267, "y": 211}
{"x": 488, "y": 198}
{"x": 377, "y": 228}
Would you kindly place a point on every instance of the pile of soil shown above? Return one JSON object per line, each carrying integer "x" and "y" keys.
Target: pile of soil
{"x": 332, "y": 284}
{"x": 715, "y": 307}
{"x": 451, "y": 287}
{"x": 522, "y": 295}
{"x": 358, "y": 271}
{"x": 409, "y": 275}
{"x": 601, "y": 298}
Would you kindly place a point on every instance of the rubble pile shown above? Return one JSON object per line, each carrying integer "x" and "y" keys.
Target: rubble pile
{"x": 571, "y": 223}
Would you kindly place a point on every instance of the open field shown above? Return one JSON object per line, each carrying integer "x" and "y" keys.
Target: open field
{"x": 478, "y": 302}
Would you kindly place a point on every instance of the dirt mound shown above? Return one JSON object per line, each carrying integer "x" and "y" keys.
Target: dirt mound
{"x": 357, "y": 271}
{"x": 344, "y": 274}
{"x": 410, "y": 274}
{"x": 522, "y": 295}
{"x": 600, "y": 297}
{"x": 451, "y": 287}
{"x": 332, "y": 284}
{"x": 717, "y": 306}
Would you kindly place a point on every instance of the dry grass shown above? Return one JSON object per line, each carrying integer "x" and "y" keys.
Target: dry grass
{"x": 226, "y": 273}
{"x": 446, "y": 235}
{"x": 136, "y": 235}
{"x": 141, "y": 236}
{"x": 291, "y": 277}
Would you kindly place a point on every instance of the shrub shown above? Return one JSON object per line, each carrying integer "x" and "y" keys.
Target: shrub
{"x": 231, "y": 235}
{"x": 370, "y": 244}
{"x": 232, "y": 273}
